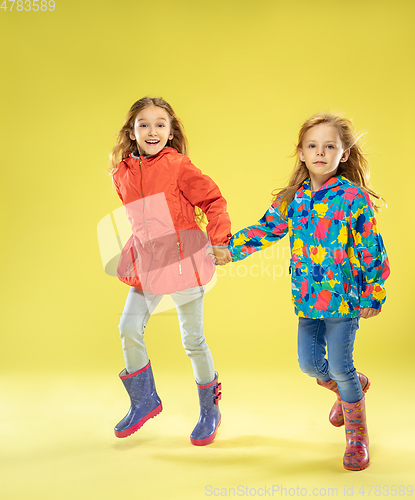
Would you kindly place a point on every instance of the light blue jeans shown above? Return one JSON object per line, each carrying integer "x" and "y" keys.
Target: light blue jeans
{"x": 338, "y": 335}
{"x": 189, "y": 305}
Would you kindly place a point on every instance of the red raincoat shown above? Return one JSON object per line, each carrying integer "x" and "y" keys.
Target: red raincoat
{"x": 167, "y": 250}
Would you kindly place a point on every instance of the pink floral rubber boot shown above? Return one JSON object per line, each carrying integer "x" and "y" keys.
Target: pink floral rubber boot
{"x": 336, "y": 413}
{"x": 356, "y": 456}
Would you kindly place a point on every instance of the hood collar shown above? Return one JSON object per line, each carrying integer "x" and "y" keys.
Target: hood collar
{"x": 336, "y": 180}
{"x": 150, "y": 158}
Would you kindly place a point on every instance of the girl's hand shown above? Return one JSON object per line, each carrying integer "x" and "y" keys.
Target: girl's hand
{"x": 368, "y": 312}
{"x": 222, "y": 255}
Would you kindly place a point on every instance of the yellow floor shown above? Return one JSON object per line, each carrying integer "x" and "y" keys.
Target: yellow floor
{"x": 57, "y": 439}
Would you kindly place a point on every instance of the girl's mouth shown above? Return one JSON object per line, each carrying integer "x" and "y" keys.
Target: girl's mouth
{"x": 152, "y": 142}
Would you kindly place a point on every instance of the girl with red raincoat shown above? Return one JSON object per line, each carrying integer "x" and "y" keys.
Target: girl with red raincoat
{"x": 164, "y": 196}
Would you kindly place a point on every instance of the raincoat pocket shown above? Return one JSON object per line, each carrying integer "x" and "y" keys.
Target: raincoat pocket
{"x": 330, "y": 289}
{"x": 352, "y": 288}
{"x": 299, "y": 282}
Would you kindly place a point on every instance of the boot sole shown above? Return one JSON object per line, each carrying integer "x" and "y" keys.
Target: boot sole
{"x": 140, "y": 423}
{"x": 208, "y": 440}
{"x": 353, "y": 469}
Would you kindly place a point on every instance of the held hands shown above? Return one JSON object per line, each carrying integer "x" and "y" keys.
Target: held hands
{"x": 219, "y": 255}
{"x": 223, "y": 256}
{"x": 368, "y": 312}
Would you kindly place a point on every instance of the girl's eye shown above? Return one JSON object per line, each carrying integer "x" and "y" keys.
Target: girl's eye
{"x": 143, "y": 125}
{"x": 160, "y": 125}
{"x": 311, "y": 146}
{"x": 330, "y": 146}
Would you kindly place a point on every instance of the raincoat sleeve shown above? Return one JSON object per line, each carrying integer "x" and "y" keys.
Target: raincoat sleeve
{"x": 270, "y": 228}
{"x": 201, "y": 191}
{"x": 370, "y": 252}
{"x": 117, "y": 188}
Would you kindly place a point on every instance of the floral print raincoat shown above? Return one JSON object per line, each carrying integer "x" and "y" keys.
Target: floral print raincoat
{"x": 338, "y": 260}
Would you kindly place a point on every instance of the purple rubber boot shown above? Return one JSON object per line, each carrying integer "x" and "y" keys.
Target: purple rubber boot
{"x": 145, "y": 403}
{"x": 209, "y": 420}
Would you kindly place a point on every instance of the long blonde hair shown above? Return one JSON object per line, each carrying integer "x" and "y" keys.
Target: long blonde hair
{"x": 124, "y": 145}
{"x": 356, "y": 168}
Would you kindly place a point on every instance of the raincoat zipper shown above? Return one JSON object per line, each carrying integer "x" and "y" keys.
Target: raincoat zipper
{"x": 309, "y": 281}
{"x": 180, "y": 266}
{"x": 144, "y": 222}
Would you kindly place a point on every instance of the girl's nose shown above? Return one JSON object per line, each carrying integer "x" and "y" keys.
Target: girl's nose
{"x": 320, "y": 152}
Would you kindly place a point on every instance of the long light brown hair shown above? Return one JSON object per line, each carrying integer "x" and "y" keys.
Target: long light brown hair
{"x": 125, "y": 145}
{"x": 356, "y": 168}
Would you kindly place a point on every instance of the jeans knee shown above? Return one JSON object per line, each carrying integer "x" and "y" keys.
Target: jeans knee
{"x": 307, "y": 367}
{"x": 193, "y": 344}
{"x": 341, "y": 375}
{"x": 130, "y": 329}
{"x": 313, "y": 368}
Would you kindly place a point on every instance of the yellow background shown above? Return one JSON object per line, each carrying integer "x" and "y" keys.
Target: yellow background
{"x": 242, "y": 76}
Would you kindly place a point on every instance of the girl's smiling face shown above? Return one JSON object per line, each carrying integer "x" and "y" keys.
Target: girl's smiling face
{"x": 322, "y": 151}
{"x": 151, "y": 130}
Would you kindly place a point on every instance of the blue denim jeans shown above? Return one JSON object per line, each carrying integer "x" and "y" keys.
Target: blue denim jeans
{"x": 338, "y": 335}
